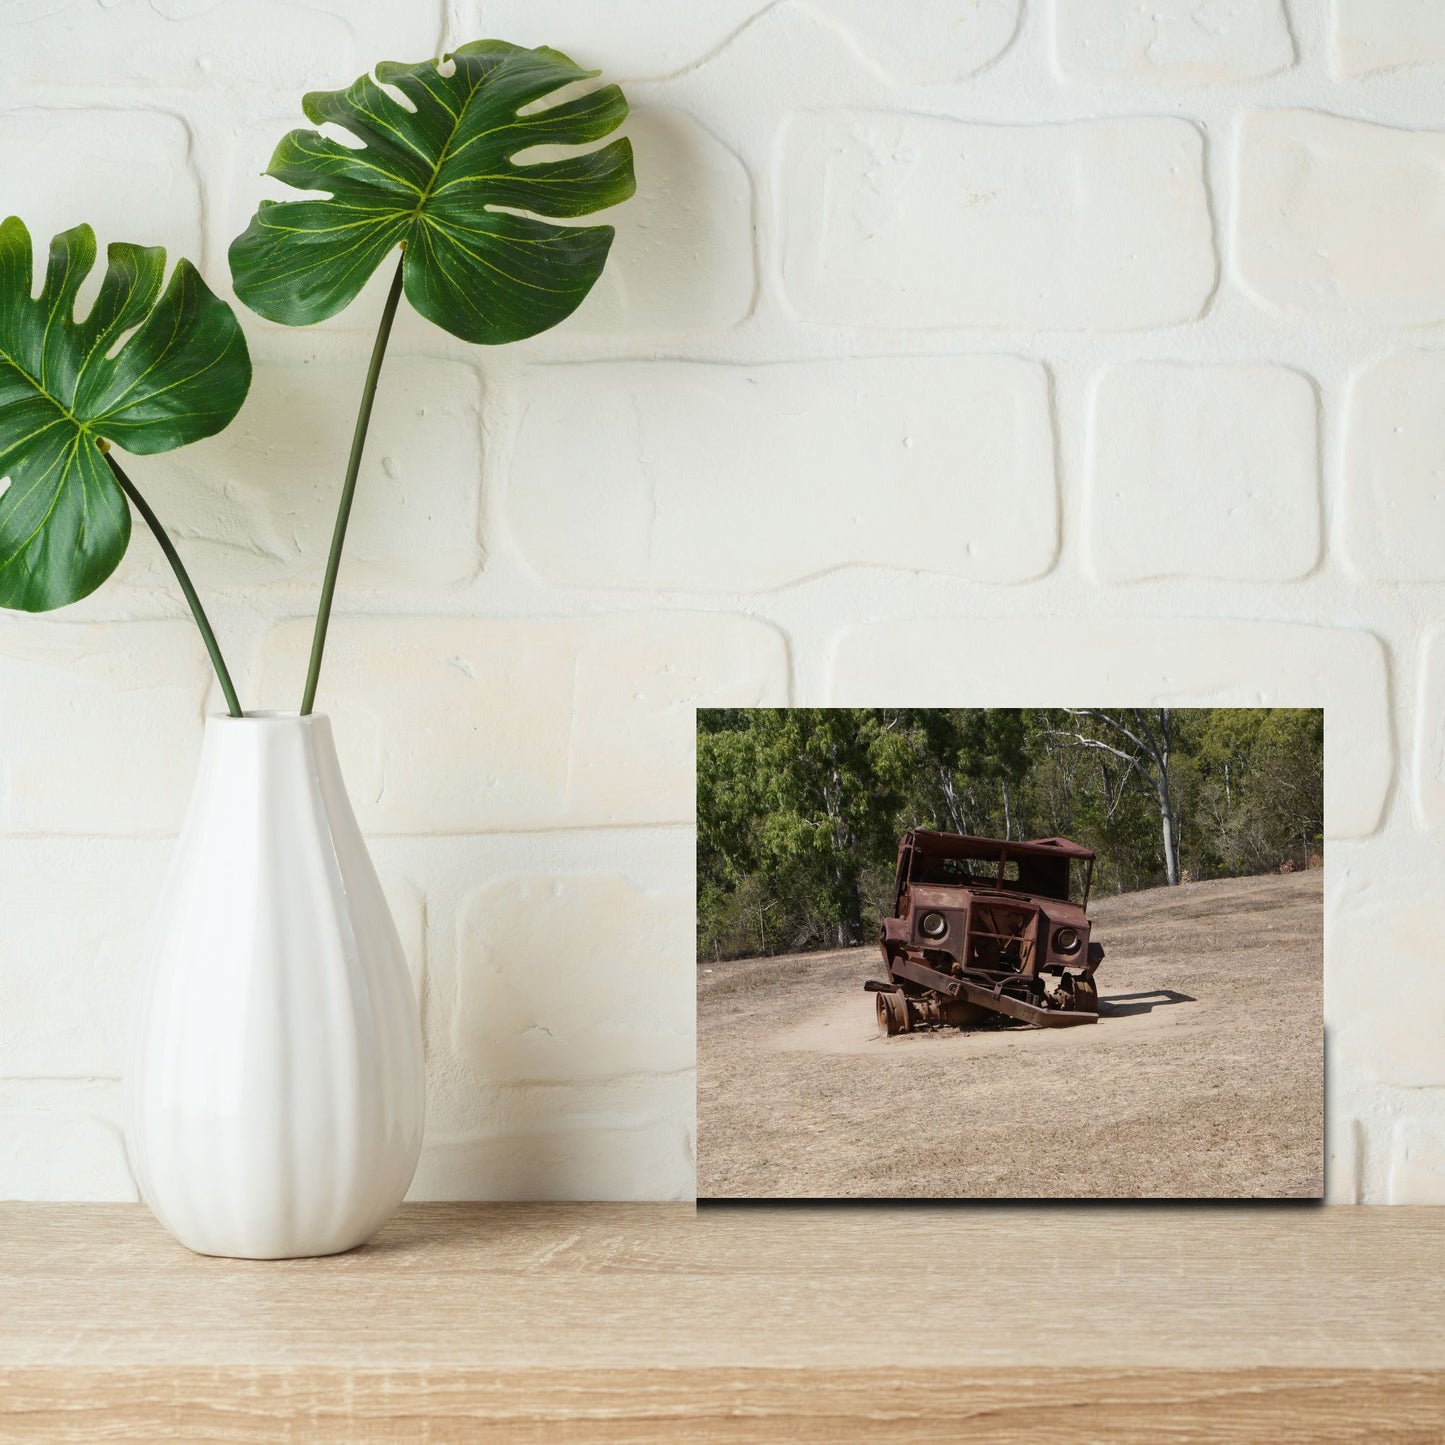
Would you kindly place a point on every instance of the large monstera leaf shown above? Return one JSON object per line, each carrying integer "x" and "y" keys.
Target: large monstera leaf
{"x": 443, "y": 180}
{"x": 181, "y": 375}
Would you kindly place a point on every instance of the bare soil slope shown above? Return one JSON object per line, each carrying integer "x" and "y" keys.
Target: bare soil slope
{"x": 1203, "y": 1077}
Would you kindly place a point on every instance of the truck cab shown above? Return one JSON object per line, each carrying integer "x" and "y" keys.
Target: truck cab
{"x": 988, "y": 925}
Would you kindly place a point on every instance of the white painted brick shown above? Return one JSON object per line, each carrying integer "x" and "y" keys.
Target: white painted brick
{"x": 64, "y": 167}
{"x": 48, "y": 1155}
{"x": 1122, "y": 661}
{"x": 1429, "y": 771}
{"x": 72, "y": 925}
{"x": 101, "y": 724}
{"x": 256, "y": 504}
{"x": 728, "y": 478}
{"x": 570, "y": 978}
{"x": 1338, "y": 217}
{"x": 1394, "y": 469}
{"x": 1203, "y": 471}
{"x": 1343, "y": 1157}
{"x": 589, "y": 1160}
{"x": 467, "y": 726}
{"x": 683, "y": 258}
{"x": 894, "y": 220}
{"x": 1417, "y": 1161}
{"x": 1385, "y": 34}
{"x": 933, "y": 41}
{"x": 319, "y": 44}
{"x": 624, "y": 42}
{"x": 1385, "y": 978}
{"x": 1171, "y": 42}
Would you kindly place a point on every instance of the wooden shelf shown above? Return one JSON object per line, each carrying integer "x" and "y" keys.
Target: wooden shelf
{"x": 655, "y": 1322}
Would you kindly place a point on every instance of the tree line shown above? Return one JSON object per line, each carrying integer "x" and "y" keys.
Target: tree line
{"x": 800, "y": 809}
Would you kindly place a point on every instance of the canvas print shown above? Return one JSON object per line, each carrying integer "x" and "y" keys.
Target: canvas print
{"x": 984, "y": 953}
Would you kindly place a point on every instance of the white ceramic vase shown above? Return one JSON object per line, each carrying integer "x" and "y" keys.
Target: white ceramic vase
{"x": 275, "y": 1096}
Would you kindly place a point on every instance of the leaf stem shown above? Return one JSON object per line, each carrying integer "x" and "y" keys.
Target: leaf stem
{"x": 223, "y": 676}
{"x": 348, "y": 489}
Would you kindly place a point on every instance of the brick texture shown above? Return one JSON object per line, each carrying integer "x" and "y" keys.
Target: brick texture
{"x": 605, "y": 738}
{"x": 941, "y": 41}
{"x": 566, "y": 978}
{"x": 984, "y": 353}
{"x": 185, "y": 43}
{"x": 1430, "y": 732}
{"x": 101, "y": 724}
{"x": 1372, "y": 35}
{"x": 72, "y": 927}
{"x": 720, "y": 478}
{"x": 88, "y": 164}
{"x": 896, "y": 220}
{"x": 1333, "y": 217}
{"x": 1394, "y": 468}
{"x": 49, "y": 1155}
{"x": 1417, "y": 1162}
{"x": 694, "y": 197}
{"x": 1171, "y": 42}
{"x": 278, "y": 470}
{"x": 1380, "y": 949}
{"x": 1203, "y": 471}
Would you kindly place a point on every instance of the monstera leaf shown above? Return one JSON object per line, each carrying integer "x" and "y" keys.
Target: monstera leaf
{"x": 443, "y": 180}
{"x": 181, "y": 375}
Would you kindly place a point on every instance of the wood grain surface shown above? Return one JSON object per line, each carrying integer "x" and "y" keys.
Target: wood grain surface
{"x": 624, "y": 1322}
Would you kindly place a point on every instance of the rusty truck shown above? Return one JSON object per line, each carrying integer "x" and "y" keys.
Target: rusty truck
{"x": 984, "y": 926}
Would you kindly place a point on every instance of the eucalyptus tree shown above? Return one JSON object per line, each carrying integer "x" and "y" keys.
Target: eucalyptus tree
{"x": 1143, "y": 740}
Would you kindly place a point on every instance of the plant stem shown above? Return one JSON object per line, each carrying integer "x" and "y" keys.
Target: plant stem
{"x": 348, "y": 489}
{"x": 223, "y": 676}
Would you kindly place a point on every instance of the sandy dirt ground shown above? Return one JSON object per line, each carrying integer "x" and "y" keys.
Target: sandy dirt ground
{"x": 1204, "y": 1076}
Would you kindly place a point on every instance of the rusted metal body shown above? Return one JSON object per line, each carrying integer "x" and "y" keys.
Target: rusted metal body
{"x": 984, "y": 925}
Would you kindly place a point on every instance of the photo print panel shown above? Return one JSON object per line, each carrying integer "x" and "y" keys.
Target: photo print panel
{"x": 1010, "y": 953}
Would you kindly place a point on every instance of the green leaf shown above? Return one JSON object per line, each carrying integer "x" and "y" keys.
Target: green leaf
{"x": 181, "y": 375}
{"x": 443, "y": 179}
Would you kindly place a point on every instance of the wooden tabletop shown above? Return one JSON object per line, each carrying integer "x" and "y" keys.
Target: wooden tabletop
{"x": 658, "y": 1322}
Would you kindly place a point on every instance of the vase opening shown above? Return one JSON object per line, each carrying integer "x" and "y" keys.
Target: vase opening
{"x": 264, "y": 716}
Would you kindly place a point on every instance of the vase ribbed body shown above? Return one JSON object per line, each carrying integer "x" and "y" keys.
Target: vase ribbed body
{"x": 275, "y": 1097}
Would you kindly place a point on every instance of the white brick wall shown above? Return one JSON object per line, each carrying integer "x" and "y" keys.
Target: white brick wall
{"x": 786, "y": 471}
{"x": 1171, "y": 42}
{"x": 1102, "y": 334}
{"x": 895, "y": 221}
{"x": 1203, "y": 471}
{"x": 1340, "y": 216}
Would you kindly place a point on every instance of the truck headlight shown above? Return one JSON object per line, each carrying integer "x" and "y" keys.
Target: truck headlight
{"x": 933, "y": 925}
{"x": 1066, "y": 940}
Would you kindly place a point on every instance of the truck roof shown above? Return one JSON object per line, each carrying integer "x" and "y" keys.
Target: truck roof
{"x": 965, "y": 845}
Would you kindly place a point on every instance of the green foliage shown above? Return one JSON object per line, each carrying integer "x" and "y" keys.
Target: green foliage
{"x": 1259, "y": 794}
{"x": 181, "y": 375}
{"x": 801, "y": 793}
{"x": 800, "y": 810}
{"x": 443, "y": 180}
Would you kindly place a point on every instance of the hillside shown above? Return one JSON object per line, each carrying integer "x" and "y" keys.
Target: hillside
{"x": 1203, "y": 1077}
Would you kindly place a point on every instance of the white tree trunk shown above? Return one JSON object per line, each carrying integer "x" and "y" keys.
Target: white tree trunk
{"x": 1171, "y": 840}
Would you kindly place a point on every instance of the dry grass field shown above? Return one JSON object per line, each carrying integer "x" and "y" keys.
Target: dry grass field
{"x": 1204, "y": 1076}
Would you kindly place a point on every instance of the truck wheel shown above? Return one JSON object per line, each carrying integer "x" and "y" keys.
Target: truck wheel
{"x": 892, "y": 1013}
{"x": 1086, "y": 996}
